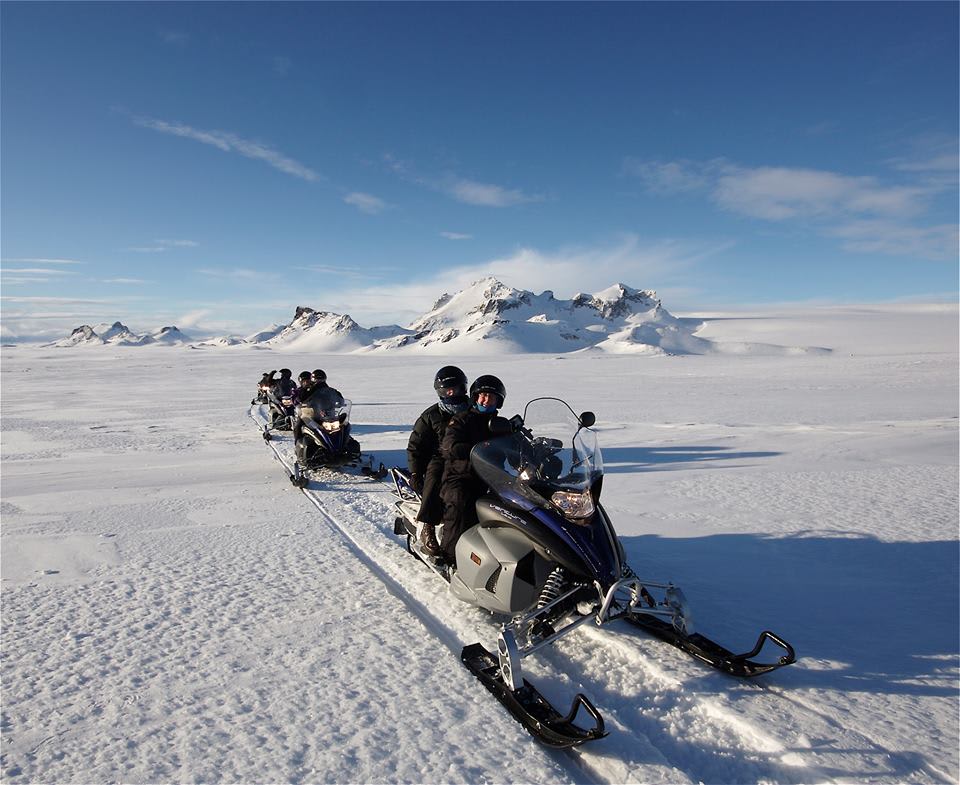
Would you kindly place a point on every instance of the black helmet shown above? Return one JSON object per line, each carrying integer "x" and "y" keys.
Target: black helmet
{"x": 490, "y": 384}
{"x": 450, "y": 382}
{"x": 319, "y": 375}
{"x": 304, "y": 375}
{"x": 285, "y": 373}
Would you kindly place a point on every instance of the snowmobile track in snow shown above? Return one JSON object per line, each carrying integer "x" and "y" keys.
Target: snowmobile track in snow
{"x": 639, "y": 685}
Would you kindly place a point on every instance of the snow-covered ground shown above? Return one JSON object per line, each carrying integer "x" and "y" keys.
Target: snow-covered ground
{"x": 175, "y": 611}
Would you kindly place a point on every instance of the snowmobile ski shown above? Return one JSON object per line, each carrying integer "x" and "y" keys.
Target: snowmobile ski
{"x": 712, "y": 653}
{"x": 530, "y": 708}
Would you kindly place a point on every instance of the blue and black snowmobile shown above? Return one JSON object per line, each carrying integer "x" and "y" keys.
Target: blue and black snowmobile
{"x": 322, "y": 436}
{"x": 544, "y": 556}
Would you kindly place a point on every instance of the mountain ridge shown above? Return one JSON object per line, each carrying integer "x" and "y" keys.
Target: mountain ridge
{"x": 486, "y": 317}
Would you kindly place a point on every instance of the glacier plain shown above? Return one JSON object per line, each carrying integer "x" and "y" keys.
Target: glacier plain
{"x": 173, "y": 610}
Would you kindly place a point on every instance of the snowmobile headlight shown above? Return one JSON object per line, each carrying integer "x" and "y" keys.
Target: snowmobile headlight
{"x": 574, "y": 506}
{"x": 331, "y": 426}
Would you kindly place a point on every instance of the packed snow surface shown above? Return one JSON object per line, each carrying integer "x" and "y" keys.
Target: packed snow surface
{"x": 174, "y": 610}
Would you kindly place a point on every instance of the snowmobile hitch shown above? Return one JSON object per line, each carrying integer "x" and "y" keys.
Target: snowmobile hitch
{"x": 530, "y": 708}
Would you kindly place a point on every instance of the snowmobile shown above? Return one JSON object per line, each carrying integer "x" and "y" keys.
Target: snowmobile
{"x": 262, "y": 394}
{"x": 281, "y": 404}
{"x": 545, "y": 558}
{"x": 323, "y": 439}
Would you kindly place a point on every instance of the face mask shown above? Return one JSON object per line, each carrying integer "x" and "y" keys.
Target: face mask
{"x": 454, "y": 406}
{"x": 485, "y": 409}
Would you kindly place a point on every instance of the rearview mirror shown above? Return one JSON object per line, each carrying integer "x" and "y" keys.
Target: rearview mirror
{"x": 500, "y": 426}
{"x": 587, "y": 419}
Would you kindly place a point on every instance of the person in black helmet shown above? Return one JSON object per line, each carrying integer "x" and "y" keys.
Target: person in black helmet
{"x": 314, "y": 388}
{"x": 285, "y": 385}
{"x": 460, "y": 487}
{"x": 423, "y": 450}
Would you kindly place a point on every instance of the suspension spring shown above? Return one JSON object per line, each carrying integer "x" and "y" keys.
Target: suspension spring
{"x": 552, "y": 587}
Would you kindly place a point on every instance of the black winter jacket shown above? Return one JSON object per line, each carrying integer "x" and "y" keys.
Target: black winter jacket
{"x": 464, "y": 431}
{"x": 424, "y": 442}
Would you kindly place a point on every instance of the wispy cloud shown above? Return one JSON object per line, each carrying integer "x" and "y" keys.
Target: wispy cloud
{"x": 366, "y": 203}
{"x": 777, "y": 193}
{"x": 462, "y": 189}
{"x": 837, "y": 205}
{"x": 229, "y": 142}
{"x": 159, "y": 246}
{"x": 366, "y": 272}
{"x": 124, "y": 280}
{"x": 237, "y": 274}
{"x": 40, "y": 261}
{"x": 456, "y": 236}
{"x": 35, "y": 271}
{"x": 20, "y": 276}
{"x": 174, "y": 37}
{"x": 926, "y": 242}
{"x": 485, "y": 194}
{"x": 192, "y": 318}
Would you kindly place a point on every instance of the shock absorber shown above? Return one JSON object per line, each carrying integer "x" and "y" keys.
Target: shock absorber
{"x": 552, "y": 587}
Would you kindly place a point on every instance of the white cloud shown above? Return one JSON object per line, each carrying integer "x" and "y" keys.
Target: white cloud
{"x": 366, "y": 203}
{"x": 35, "y": 271}
{"x": 40, "y": 261}
{"x": 124, "y": 280}
{"x": 456, "y": 236}
{"x": 838, "y": 205}
{"x": 174, "y": 37}
{"x": 229, "y": 142}
{"x": 192, "y": 318}
{"x": 486, "y": 194}
{"x": 236, "y": 273}
{"x": 159, "y": 246}
{"x": 460, "y": 188}
{"x": 926, "y": 242}
{"x": 668, "y": 177}
{"x": 777, "y": 193}
{"x": 19, "y": 276}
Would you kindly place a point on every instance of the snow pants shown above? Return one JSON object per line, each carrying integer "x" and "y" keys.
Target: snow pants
{"x": 431, "y": 508}
{"x": 459, "y": 495}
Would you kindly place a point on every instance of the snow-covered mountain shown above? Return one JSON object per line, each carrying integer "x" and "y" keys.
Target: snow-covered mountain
{"x": 488, "y": 317}
{"x": 491, "y": 317}
{"x": 325, "y": 332}
{"x": 118, "y": 334}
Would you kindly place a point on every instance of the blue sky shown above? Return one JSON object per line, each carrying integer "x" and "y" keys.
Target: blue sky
{"x": 213, "y": 165}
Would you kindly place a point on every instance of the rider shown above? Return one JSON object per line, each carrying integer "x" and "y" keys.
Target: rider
{"x": 314, "y": 396}
{"x": 320, "y": 393}
{"x": 284, "y": 386}
{"x": 423, "y": 450}
{"x": 461, "y": 487}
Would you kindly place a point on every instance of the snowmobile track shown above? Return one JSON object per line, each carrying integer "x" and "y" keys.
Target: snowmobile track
{"x": 639, "y": 684}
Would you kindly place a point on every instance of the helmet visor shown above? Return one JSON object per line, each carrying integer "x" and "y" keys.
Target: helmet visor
{"x": 454, "y": 391}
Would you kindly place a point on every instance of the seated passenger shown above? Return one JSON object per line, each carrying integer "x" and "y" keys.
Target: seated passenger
{"x": 423, "y": 450}
{"x": 461, "y": 487}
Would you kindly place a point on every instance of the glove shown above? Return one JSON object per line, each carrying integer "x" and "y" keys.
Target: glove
{"x": 416, "y": 482}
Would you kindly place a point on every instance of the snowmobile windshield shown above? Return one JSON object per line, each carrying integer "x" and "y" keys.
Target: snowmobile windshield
{"x": 326, "y": 408}
{"x": 548, "y": 459}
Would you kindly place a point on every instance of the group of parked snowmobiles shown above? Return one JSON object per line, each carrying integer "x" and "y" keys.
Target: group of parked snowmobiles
{"x": 541, "y": 554}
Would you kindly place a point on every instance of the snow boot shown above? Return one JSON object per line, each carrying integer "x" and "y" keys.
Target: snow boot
{"x": 428, "y": 541}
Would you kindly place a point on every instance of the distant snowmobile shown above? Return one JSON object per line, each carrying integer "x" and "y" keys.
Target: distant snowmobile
{"x": 263, "y": 391}
{"x": 322, "y": 438}
{"x": 545, "y": 556}
{"x": 281, "y": 401}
